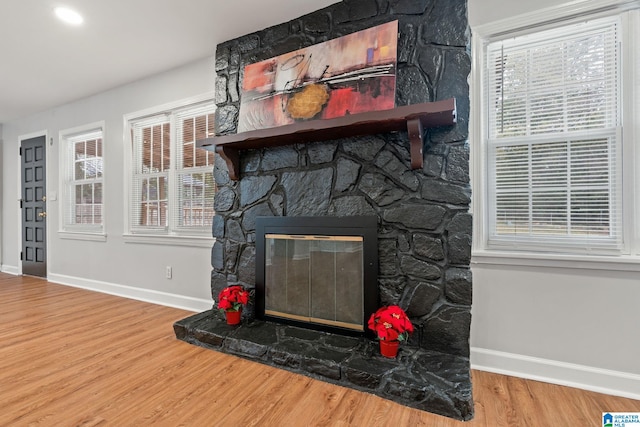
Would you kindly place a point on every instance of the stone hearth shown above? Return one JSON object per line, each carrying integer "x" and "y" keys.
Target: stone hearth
{"x": 419, "y": 378}
{"x": 423, "y": 220}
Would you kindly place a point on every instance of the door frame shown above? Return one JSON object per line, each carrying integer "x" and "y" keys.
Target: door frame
{"x": 47, "y": 145}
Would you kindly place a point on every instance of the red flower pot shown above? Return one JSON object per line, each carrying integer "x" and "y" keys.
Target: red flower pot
{"x": 233, "y": 317}
{"x": 389, "y": 348}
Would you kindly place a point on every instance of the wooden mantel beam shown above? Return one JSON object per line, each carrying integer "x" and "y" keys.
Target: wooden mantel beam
{"x": 414, "y": 118}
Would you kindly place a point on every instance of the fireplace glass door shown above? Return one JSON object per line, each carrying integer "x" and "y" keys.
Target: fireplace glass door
{"x": 314, "y": 278}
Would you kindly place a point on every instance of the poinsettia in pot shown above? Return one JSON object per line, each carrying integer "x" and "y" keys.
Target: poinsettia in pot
{"x": 231, "y": 300}
{"x": 391, "y": 325}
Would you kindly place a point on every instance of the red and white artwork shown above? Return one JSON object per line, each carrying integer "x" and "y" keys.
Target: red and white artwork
{"x": 348, "y": 75}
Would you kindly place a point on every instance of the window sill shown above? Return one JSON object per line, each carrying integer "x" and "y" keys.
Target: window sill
{"x": 581, "y": 262}
{"x": 154, "y": 239}
{"x": 83, "y": 235}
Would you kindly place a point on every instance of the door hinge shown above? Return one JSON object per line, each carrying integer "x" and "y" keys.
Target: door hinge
{"x": 20, "y": 255}
{"x": 20, "y": 203}
{"x": 21, "y": 151}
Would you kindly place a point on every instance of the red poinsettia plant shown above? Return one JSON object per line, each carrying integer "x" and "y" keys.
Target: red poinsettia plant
{"x": 232, "y": 298}
{"x": 391, "y": 323}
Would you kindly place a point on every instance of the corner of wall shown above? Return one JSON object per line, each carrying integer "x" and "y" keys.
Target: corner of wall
{"x": 1, "y": 204}
{"x": 599, "y": 380}
{"x": 146, "y": 295}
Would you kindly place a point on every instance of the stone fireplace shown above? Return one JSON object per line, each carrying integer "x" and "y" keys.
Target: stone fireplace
{"x": 423, "y": 227}
{"x": 317, "y": 272}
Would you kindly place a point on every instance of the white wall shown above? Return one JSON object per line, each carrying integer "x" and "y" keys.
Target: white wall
{"x": 1, "y": 185}
{"x": 486, "y": 11}
{"x": 130, "y": 269}
{"x": 570, "y": 322}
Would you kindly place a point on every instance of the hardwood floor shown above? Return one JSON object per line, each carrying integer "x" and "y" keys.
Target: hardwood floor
{"x": 71, "y": 357}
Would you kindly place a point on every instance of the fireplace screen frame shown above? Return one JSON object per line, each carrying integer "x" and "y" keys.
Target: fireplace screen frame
{"x": 362, "y": 226}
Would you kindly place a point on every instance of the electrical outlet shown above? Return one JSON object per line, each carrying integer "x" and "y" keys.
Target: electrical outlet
{"x": 168, "y": 272}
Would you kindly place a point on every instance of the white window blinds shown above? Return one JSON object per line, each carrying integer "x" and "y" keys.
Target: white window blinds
{"x": 152, "y": 160}
{"x": 195, "y": 185}
{"x": 553, "y": 137}
{"x": 83, "y": 190}
{"x": 172, "y": 180}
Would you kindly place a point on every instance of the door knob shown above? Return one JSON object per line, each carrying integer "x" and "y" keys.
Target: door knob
{"x": 42, "y": 214}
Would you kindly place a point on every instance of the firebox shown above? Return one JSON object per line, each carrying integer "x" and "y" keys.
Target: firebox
{"x": 317, "y": 272}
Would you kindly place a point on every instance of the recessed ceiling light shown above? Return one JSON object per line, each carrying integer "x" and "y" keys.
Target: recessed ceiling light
{"x": 68, "y": 16}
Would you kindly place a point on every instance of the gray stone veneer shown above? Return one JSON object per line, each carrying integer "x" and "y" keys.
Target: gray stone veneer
{"x": 424, "y": 224}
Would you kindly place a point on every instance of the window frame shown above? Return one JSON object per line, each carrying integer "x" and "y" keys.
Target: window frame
{"x": 180, "y": 116}
{"x": 556, "y": 17}
{"x": 91, "y": 232}
{"x": 539, "y": 139}
{"x": 171, "y": 234}
{"x": 161, "y": 120}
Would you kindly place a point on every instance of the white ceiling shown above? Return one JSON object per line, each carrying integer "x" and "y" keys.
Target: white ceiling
{"x": 45, "y": 63}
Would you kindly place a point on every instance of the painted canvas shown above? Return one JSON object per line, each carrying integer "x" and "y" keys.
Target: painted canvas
{"x": 348, "y": 75}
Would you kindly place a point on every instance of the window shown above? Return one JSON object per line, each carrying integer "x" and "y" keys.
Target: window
{"x": 83, "y": 180}
{"x": 195, "y": 171}
{"x": 553, "y": 139}
{"x": 172, "y": 185}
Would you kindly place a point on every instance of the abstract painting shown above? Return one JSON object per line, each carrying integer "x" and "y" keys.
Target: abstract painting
{"x": 348, "y": 75}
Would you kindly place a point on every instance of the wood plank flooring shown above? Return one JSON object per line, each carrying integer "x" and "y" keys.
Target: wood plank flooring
{"x": 70, "y": 357}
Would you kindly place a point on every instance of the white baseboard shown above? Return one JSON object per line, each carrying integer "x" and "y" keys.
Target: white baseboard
{"x": 605, "y": 381}
{"x": 140, "y": 294}
{"x": 10, "y": 269}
